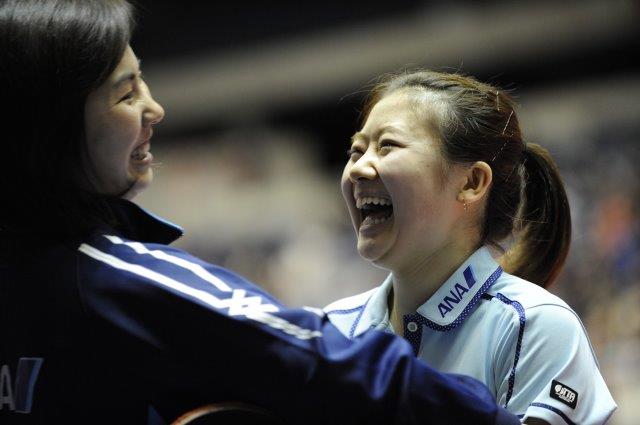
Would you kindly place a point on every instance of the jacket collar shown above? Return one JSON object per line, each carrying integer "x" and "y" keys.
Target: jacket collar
{"x": 138, "y": 224}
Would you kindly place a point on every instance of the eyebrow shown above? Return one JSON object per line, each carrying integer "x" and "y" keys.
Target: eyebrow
{"x": 356, "y": 136}
{"x": 128, "y": 76}
{"x": 381, "y": 130}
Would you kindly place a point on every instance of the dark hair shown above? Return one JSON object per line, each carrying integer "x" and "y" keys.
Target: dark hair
{"x": 477, "y": 122}
{"x": 53, "y": 53}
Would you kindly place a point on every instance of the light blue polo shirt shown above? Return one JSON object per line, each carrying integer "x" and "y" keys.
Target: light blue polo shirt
{"x": 526, "y": 344}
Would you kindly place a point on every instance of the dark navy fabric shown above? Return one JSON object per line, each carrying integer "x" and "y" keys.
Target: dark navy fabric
{"x": 113, "y": 327}
{"x": 556, "y": 411}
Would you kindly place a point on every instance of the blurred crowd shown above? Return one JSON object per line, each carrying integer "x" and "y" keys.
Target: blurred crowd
{"x": 260, "y": 202}
{"x": 602, "y": 277}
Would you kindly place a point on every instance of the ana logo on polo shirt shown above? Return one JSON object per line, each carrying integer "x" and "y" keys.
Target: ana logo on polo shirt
{"x": 457, "y": 293}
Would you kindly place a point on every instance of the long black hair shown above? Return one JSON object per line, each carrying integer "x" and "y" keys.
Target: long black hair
{"x": 53, "y": 53}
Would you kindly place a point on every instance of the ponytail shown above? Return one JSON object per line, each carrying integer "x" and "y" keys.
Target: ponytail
{"x": 545, "y": 221}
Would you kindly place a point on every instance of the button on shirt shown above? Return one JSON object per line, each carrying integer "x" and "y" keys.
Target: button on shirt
{"x": 526, "y": 344}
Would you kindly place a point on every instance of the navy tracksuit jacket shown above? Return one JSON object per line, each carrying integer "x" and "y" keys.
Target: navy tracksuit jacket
{"x": 121, "y": 328}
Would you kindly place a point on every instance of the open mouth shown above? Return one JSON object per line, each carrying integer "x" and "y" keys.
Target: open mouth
{"x": 141, "y": 152}
{"x": 374, "y": 210}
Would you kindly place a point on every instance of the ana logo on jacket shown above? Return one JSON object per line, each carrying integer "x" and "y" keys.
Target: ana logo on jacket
{"x": 17, "y": 396}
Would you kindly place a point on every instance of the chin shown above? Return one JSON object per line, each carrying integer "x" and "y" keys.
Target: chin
{"x": 137, "y": 185}
{"x": 372, "y": 253}
{"x": 146, "y": 179}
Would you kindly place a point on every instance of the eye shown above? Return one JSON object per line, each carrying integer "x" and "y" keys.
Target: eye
{"x": 354, "y": 153}
{"x": 127, "y": 97}
{"x": 385, "y": 145}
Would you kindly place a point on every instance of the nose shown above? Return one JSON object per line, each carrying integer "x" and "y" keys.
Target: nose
{"x": 154, "y": 112}
{"x": 364, "y": 168}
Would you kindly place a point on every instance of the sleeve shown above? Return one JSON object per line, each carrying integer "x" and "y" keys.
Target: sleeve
{"x": 206, "y": 335}
{"x": 549, "y": 370}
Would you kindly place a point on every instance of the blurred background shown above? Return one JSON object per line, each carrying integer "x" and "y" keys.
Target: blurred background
{"x": 262, "y": 98}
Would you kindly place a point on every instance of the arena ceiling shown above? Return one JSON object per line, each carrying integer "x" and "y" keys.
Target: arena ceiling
{"x": 218, "y": 65}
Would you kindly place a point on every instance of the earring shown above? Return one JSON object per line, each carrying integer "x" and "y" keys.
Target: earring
{"x": 464, "y": 201}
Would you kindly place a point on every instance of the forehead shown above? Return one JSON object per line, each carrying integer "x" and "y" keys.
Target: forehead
{"x": 128, "y": 62}
{"x": 396, "y": 106}
{"x": 126, "y": 70}
{"x": 408, "y": 110}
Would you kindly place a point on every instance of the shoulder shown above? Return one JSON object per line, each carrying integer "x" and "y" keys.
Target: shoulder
{"x": 536, "y": 314}
{"x": 120, "y": 253}
{"x": 509, "y": 288}
{"x": 126, "y": 255}
{"x": 522, "y": 298}
{"x": 112, "y": 264}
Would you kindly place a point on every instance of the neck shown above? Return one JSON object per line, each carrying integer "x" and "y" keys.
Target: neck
{"x": 415, "y": 284}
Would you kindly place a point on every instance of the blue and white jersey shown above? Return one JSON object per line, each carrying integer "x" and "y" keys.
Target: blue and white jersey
{"x": 524, "y": 343}
{"x": 120, "y": 328}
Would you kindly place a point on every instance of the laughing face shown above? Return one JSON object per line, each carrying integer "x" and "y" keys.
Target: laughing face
{"x": 402, "y": 205}
{"x": 119, "y": 116}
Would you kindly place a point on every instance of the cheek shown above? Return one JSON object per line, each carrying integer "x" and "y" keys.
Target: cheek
{"x": 114, "y": 142}
{"x": 430, "y": 218}
{"x": 106, "y": 150}
{"x": 109, "y": 149}
{"x": 417, "y": 200}
{"x": 346, "y": 186}
{"x": 347, "y": 194}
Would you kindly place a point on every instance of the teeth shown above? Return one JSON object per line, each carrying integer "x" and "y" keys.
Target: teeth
{"x": 366, "y": 200}
{"x": 378, "y": 220}
{"x": 139, "y": 153}
{"x": 369, "y": 221}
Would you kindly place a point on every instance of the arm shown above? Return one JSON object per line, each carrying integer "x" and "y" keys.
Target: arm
{"x": 218, "y": 337}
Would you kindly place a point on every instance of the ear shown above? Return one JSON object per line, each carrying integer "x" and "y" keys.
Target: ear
{"x": 476, "y": 183}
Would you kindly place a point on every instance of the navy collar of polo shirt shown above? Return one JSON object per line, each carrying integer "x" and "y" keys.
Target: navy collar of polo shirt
{"x": 447, "y": 308}
{"x": 138, "y": 224}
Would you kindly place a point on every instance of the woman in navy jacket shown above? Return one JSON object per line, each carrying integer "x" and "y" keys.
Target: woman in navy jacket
{"x": 102, "y": 321}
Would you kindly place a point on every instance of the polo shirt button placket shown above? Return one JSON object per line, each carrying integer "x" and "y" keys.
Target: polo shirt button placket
{"x": 412, "y": 335}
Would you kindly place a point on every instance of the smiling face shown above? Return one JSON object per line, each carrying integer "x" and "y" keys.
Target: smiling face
{"x": 402, "y": 205}
{"x": 119, "y": 116}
